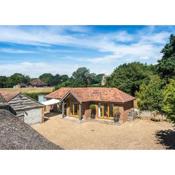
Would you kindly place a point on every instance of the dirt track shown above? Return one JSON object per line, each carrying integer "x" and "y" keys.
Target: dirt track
{"x": 138, "y": 134}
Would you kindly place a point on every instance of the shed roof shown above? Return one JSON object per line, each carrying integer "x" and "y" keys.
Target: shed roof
{"x": 9, "y": 95}
{"x": 93, "y": 94}
{"x": 15, "y": 134}
{"x": 20, "y": 101}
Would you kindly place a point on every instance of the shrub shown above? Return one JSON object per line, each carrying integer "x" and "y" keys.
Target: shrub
{"x": 168, "y": 106}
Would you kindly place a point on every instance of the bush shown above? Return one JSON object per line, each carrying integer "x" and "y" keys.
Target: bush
{"x": 150, "y": 95}
{"x": 168, "y": 106}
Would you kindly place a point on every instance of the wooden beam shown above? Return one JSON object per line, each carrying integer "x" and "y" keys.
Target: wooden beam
{"x": 63, "y": 105}
{"x": 99, "y": 110}
{"x": 80, "y": 111}
{"x": 108, "y": 110}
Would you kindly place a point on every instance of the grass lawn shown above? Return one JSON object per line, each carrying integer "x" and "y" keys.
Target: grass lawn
{"x": 138, "y": 134}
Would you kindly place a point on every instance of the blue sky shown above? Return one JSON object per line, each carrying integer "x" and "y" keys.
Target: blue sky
{"x": 33, "y": 50}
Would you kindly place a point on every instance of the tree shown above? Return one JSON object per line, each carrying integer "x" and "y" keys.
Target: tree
{"x": 17, "y": 78}
{"x": 82, "y": 77}
{"x": 55, "y": 80}
{"x": 97, "y": 79}
{"x": 166, "y": 66}
{"x": 47, "y": 78}
{"x": 168, "y": 106}
{"x": 129, "y": 77}
{"x": 3, "y": 81}
{"x": 64, "y": 78}
{"x": 150, "y": 95}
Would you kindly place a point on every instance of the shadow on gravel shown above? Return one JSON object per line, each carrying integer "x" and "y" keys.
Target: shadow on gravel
{"x": 166, "y": 138}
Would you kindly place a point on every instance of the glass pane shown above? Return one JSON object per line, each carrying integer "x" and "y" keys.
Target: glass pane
{"x": 75, "y": 109}
{"x": 105, "y": 110}
{"x": 111, "y": 110}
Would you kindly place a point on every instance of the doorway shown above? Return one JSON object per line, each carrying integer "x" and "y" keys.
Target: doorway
{"x": 104, "y": 111}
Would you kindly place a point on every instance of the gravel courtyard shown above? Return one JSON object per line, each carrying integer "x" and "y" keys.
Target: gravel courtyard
{"x": 138, "y": 134}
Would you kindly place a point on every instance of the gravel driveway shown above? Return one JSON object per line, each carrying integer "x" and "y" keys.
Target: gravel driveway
{"x": 138, "y": 134}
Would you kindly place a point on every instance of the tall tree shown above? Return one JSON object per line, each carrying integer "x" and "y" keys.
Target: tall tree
{"x": 82, "y": 77}
{"x": 17, "y": 78}
{"x": 55, "y": 80}
{"x": 166, "y": 66}
{"x": 3, "y": 81}
{"x": 64, "y": 78}
{"x": 150, "y": 96}
{"x": 129, "y": 77}
{"x": 47, "y": 78}
{"x": 169, "y": 100}
{"x": 97, "y": 79}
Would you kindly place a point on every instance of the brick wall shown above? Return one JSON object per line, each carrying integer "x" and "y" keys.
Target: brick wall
{"x": 125, "y": 109}
{"x": 86, "y": 112}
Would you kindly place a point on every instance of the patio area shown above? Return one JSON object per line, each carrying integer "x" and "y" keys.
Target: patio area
{"x": 137, "y": 134}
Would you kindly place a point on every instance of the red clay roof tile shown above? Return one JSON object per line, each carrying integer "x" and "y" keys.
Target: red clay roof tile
{"x": 8, "y": 95}
{"x": 93, "y": 94}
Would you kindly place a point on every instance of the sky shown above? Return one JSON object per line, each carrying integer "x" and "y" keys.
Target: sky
{"x": 33, "y": 50}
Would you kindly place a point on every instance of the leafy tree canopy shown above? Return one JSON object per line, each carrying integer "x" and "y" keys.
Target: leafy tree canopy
{"x": 166, "y": 66}
{"x": 128, "y": 77}
{"x": 82, "y": 77}
{"x": 3, "y": 81}
{"x": 168, "y": 106}
{"x": 47, "y": 78}
{"x": 17, "y": 78}
{"x": 150, "y": 96}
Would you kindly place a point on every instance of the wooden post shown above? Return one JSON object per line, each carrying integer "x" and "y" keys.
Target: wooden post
{"x": 80, "y": 111}
{"x": 108, "y": 110}
{"x": 63, "y": 105}
{"x": 99, "y": 110}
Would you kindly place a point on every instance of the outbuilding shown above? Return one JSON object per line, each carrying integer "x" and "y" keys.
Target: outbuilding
{"x": 94, "y": 102}
{"x": 26, "y": 108}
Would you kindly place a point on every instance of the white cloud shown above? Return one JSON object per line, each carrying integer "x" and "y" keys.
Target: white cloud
{"x": 159, "y": 38}
{"x": 16, "y": 51}
{"x": 119, "y": 46}
{"x": 36, "y": 69}
{"x": 139, "y": 51}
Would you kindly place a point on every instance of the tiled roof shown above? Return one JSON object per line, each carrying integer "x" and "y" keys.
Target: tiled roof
{"x": 15, "y": 134}
{"x": 58, "y": 94}
{"x": 93, "y": 94}
{"x": 19, "y": 101}
{"x": 8, "y": 95}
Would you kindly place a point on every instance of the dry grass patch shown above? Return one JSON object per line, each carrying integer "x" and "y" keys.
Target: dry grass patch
{"x": 29, "y": 90}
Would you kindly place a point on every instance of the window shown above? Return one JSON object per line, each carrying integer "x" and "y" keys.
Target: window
{"x": 111, "y": 110}
{"x": 75, "y": 109}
